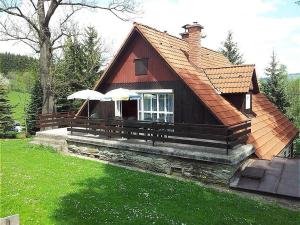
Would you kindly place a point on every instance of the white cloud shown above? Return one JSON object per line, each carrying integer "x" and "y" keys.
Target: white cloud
{"x": 255, "y": 33}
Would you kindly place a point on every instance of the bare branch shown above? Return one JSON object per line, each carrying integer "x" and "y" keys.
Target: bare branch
{"x": 14, "y": 33}
{"x": 68, "y": 16}
{"x": 53, "y": 6}
{"x": 115, "y": 7}
{"x": 57, "y": 47}
{"x": 65, "y": 27}
{"x": 16, "y": 11}
{"x": 30, "y": 45}
{"x": 34, "y": 6}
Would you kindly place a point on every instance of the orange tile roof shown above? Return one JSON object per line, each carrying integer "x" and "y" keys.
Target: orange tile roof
{"x": 231, "y": 79}
{"x": 213, "y": 59}
{"x": 173, "y": 50}
{"x": 271, "y": 130}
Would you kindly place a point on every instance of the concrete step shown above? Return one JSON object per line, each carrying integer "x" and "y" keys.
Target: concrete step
{"x": 55, "y": 146}
{"x": 51, "y": 139}
{"x": 45, "y": 135}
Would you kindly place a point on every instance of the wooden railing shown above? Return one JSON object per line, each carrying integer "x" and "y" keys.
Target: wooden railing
{"x": 216, "y": 136}
{"x": 52, "y": 120}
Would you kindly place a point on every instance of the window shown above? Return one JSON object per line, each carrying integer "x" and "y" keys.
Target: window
{"x": 118, "y": 108}
{"x": 248, "y": 101}
{"x": 156, "y": 107}
{"x": 141, "y": 66}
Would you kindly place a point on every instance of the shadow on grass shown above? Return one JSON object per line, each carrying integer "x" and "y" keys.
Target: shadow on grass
{"x": 119, "y": 196}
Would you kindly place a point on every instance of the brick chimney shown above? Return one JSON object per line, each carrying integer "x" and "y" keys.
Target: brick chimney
{"x": 192, "y": 36}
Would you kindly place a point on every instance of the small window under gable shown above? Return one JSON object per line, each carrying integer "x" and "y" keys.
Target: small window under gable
{"x": 141, "y": 66}
{"x": 248, "y": 103}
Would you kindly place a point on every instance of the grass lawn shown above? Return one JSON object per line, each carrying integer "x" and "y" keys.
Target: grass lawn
{"x": 45, "y": 187}
{"x": 18, "y": 100}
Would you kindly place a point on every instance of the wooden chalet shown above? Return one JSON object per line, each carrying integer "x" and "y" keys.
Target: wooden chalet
{"x": 182, "y": 82}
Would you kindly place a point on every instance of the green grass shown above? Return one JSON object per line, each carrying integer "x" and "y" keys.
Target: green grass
{"x": 18, "y": 100}
{"x": 45, "y": 187}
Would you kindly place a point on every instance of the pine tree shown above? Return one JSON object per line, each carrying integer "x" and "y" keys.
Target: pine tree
{"x": 92, "y": 48}
{"x": 70, "y": 75}
{"x": 275, "y": 87}
{"x": 6, "y": 121}
{"x": 231, "y": 51}
{"x": 293, "y": 92}
{"x": 34, "y": 107}
{"x": 78, "y": 69}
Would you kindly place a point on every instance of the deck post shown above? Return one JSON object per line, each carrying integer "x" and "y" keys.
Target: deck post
{"x": 227, "y": 141}
{"x": 71, "y": 125}
{"x": 153, "y": 133}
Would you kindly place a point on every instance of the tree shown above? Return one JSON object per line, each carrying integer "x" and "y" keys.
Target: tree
{"x": 30, "y": 23}
{"x": 34, "y": 107}
{"x": 6, "y": 121}
{"x": 275, "y": 86}
{"x": 93, "y": 50}
{"x": 79, "y": 67}
{"x": 70, "y": 74}
{"x": 231, "y": 51}
{"x": 293, "y": 93}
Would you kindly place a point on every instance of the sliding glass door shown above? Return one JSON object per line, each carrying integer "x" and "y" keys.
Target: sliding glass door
{"x": 156, "y": 107}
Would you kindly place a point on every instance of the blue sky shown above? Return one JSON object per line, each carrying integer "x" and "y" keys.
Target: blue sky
{"x": 284, "y": 9}
{"x": 259, "y": 26}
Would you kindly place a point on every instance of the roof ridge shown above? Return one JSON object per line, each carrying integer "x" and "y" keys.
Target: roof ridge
{"x": 152, "y": 28}
{"x": 233, "y": 66}
{"x": 211, "y": 50}
{"x": 162, "y": 32}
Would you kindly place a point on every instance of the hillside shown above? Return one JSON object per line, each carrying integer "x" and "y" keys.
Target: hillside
{"x": 18, "y": 100}
{"x": 20, "y": 70}
{"x": 11, "y": 62}
{"x": 293, "y": 76}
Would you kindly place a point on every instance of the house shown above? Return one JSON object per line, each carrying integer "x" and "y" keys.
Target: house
{"x": 181, "y": 81}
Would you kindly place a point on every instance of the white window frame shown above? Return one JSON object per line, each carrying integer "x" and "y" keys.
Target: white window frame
{"x": 118, "y": 109}
{"x": 248, "y": 101}
{"x": 157, "y": 112}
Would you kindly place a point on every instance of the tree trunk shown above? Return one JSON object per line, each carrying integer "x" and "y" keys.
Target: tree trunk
{"x": 45, "y": 60}
{"x": 45, "y": 76}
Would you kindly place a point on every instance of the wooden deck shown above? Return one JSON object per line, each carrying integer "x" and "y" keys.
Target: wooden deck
{"x": 212, "y": 136}
{"x": 280, "y": 176}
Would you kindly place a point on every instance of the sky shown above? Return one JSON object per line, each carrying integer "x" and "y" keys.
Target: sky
{"x": 258, "y": 26}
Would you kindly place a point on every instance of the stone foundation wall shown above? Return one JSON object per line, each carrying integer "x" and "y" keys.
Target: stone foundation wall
{"x": 206, "y": 172}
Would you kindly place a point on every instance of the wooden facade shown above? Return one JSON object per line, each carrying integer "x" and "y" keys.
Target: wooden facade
{"x": 124, "y": 69}
{"x": 187, "y": 106}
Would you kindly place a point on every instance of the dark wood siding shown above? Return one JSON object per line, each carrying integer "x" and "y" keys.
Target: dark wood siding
{"x": 237, "y": 100}
{"x": 187, "y": 107}
{"x": 103, "y": 109}
{"x": 254, "y": 84}
{"x": 124, "y": 71}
